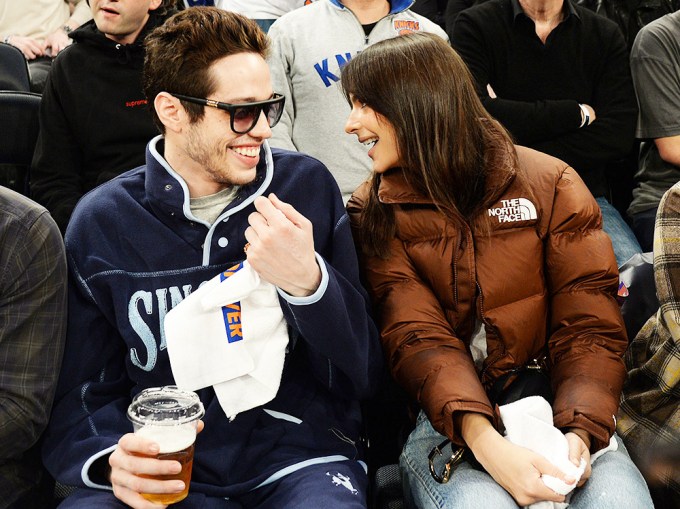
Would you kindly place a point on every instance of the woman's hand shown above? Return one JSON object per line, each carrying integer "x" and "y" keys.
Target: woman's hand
{"x": 517, "y": 469}
{"x": 579, "y": 447}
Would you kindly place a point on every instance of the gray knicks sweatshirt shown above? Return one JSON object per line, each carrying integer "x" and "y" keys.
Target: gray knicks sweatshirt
{"x": 310, "y": 45}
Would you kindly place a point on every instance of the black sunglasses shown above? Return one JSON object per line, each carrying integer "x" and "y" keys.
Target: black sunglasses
{"x": 244, "y": 116}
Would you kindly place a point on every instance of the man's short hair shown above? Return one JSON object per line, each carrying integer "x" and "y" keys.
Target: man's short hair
{"x": 180, "y": 52}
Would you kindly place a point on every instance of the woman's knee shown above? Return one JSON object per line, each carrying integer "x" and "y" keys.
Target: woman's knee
{"x": 615, "y": 483}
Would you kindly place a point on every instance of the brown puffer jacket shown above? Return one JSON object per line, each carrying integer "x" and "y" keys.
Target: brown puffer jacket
{"x": 542, "y": 277}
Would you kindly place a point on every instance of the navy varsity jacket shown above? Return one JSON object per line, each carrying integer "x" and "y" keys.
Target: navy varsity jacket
{"x": 135, "y": 251}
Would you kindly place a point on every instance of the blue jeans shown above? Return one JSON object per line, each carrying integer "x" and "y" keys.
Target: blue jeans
{"x": 623, "y": 239}
{"x": 615, "y": 482}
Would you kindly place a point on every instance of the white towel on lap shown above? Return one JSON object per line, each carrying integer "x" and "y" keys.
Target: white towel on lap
{"x": 529, "y": 423}
{"x": 231, "y": 334}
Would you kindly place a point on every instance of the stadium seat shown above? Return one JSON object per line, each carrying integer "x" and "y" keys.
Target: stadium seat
{"x": 14, "y": 74}
{"x": 19, "y": 134}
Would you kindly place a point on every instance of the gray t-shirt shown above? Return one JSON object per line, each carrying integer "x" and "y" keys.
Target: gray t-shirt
{"x": 208, "y": 208}
{"x": 655, "y": 65}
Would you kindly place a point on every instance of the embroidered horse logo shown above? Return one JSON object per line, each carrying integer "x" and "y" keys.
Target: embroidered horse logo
{"x": 342, "y": 480}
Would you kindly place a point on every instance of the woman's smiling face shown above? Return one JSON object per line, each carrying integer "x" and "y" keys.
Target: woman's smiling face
{"x": 374, "y": 130}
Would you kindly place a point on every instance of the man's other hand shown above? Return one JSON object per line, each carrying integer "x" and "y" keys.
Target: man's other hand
{"x": 282, "y": 247}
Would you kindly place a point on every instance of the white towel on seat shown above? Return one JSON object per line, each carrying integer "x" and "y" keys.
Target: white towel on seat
{"x": 230, "y": 333}
{"x": 529, "y": 423}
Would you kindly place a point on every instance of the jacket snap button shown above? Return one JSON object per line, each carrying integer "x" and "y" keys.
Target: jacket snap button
{"x": 222, "y": 242}
{"x": 168, "y": 187}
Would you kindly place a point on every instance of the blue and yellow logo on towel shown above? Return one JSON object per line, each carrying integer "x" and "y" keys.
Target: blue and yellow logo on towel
{"x": 232, "y": 312}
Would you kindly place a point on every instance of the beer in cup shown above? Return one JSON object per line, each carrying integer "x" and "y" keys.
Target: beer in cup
{"x": 168, "y": 416}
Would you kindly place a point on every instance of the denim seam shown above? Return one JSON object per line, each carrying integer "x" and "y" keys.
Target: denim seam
{"x": 434, "y": 495}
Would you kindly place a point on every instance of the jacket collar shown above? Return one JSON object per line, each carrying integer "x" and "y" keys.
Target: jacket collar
{"x": 169, "y": 195}
{"x": 568, "y": 9}
{"x": 396, "y": 6}
{"x": 395, "y": 189}
{"x": 164, "y": 185}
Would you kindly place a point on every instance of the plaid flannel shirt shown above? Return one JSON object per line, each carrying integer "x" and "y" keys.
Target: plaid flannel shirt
{"x": 649, "y": 416}
{"x": 32, "y": 331}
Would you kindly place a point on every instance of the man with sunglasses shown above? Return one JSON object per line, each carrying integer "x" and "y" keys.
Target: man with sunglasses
{"x": 211, "y": 189}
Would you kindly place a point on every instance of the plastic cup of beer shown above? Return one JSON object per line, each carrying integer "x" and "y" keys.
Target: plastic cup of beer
{"x": 169, "y": 417}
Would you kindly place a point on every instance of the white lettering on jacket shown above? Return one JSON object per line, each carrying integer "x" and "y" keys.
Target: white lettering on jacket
{"x": 140, "y": 326}
{"x": 515, "y": 209}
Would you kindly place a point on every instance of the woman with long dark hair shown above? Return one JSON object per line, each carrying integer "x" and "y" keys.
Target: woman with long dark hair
{"x": 487, "y": 266}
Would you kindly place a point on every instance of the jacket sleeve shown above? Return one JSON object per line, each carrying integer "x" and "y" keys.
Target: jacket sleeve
{"x": 423, "y": 353}
{"x": 653, "y": 66}
{"x": 280, "y": 68}
{"x": 57, "y": 168}
{"x": 667, "y": 278}
{"x": 587, "y": 335}
{"x": 32, "y": 330}
{"x": 336, "y": 323}
{"x": 92, "y": 396}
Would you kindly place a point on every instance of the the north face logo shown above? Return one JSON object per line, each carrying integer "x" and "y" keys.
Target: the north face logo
{"x": 516, "y": 209}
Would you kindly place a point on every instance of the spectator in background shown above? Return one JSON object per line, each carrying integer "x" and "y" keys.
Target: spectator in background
{"x": 655, "y": 65}
{"x": 40, "y": 29}
{"x": 649, "y": 417}
{"x": 556, "y": 75}
{"x": 32, "y": 331}
{"x": 630, "y": 15}
{"x": 310, "y": 47}
{"x": 264, "y": 12}
{"x": 94, "y": 118}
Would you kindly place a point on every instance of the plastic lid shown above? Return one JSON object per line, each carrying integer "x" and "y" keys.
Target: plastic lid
{"x": 165, "y": 406}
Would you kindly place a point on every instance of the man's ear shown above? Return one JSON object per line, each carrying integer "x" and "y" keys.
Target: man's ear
{"x": 154, "y": 4}
{"x": 170, "y": 112}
